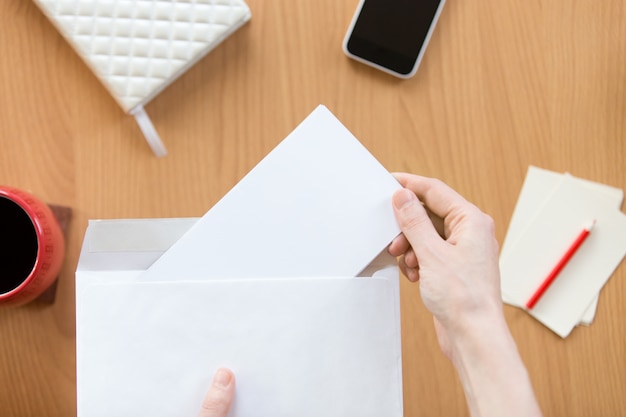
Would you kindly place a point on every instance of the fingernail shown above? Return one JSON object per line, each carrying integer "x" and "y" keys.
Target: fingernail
{"x": 403, "y": 197}
{"x": 222, "y": 378}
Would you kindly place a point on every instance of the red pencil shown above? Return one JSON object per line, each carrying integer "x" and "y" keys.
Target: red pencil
{"x": 559, "y": 266}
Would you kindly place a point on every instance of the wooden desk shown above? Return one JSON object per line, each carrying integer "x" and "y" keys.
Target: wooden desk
{"x": 504, "y": 84}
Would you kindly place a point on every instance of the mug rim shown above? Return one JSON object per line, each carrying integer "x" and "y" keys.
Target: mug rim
{"x": 10, "y": 194}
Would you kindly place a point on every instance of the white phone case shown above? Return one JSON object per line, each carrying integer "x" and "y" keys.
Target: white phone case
{"x": 380, "y": 67}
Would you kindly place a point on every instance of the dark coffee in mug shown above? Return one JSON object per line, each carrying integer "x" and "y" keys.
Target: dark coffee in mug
{"x": 18, "y": 245}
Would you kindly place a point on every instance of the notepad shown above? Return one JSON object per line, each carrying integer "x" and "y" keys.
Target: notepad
{"x": 551, "y": 211}
{"x": 139, "y": 47}
{"x": 537, "y": 188}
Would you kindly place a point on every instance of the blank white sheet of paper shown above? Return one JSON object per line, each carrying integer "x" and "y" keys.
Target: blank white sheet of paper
{"x": 318, "y": 205}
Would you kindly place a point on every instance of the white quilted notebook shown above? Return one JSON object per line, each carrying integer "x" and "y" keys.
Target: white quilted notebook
{"x": 138, "y": 47}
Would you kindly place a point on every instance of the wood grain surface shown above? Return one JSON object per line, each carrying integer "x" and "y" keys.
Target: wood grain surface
{"x": 504, "y": 84}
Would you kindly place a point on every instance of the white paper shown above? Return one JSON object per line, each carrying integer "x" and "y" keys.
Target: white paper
{"x": 298, "y": 347}
{"x": 318, "y": 205}
{"x": 544, "y": 241}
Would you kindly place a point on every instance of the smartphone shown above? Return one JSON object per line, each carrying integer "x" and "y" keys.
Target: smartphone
{"x": 392, "y": 35}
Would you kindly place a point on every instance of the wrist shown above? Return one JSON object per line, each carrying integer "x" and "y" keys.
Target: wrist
{"x": 473, "y": 322}
{"x": 477, "y": 339}
{"x": 491, "y": 371}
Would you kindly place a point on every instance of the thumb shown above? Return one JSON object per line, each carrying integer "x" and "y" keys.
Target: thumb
{"x": 414, "y": 221}
{"x": 218, "y": 400}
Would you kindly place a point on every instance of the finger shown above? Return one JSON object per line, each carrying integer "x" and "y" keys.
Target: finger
{"x": 218, "y": 400}
{"x": 414, "y": 222}
{"x": 399, "y": 245}
{"x": 410, "y": 259}
{"x": 436, "y": 195}
{"x": 412, "y": 274}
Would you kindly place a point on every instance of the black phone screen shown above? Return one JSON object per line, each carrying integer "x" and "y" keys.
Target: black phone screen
{"x": 391, "y": 33}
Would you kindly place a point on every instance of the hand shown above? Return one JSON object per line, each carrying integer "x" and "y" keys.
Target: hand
{"x": 219, "y": 398}
{"x": 457, "y": 266}
{"x": 448, "y": 245}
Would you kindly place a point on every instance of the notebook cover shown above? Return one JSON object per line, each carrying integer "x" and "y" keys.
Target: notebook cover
{"x": 138, "y": 47}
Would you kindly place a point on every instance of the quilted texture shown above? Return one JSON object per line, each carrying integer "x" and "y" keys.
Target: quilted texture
{"x": 138, "y": 47}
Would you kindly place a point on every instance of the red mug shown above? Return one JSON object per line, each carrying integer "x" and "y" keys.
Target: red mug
{"x": 32, "y": 247}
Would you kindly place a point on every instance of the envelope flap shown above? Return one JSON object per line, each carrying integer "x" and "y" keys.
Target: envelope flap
{"x": 129, "y": 244}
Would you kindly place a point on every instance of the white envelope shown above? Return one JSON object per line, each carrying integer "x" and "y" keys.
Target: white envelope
{"x": 299, "y": 347}
{"x": 264, "y": 283}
